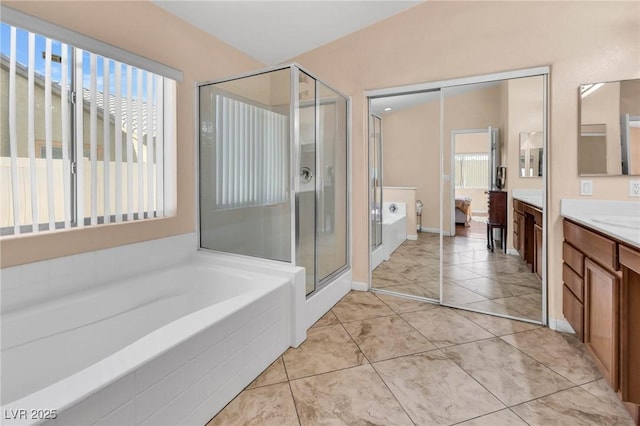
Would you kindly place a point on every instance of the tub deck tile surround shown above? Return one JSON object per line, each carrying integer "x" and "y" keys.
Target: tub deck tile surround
{"x": 469, "y": 383}
{"x": 168, "y": 379}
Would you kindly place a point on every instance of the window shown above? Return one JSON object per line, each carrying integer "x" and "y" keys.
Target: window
{"x": 86, "y": 139}
{"x": 472, "y": 170}
{"x": 251, "y": 155}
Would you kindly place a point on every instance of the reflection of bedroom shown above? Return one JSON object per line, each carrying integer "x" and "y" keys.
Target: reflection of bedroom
{"x": 471, "y": 177}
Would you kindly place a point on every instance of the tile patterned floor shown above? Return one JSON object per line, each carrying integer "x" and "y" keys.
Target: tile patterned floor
{"x": 376, "y": 359}
{"x": 473, "y": 276}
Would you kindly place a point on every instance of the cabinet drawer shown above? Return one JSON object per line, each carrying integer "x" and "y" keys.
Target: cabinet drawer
{"x": 630, "y": 258}
{"x": 592, "y": 245}
{"x": 573, "y": 281}
{"x": 573, "y": 311}
{"x": 573, "y": 258}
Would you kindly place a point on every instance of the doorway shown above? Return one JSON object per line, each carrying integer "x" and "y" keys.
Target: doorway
{"x": 472, "y": 166}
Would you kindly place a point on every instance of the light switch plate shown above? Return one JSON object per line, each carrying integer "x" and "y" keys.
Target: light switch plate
{"x": 586, "y": 187}
{"x": 634, "y": 188}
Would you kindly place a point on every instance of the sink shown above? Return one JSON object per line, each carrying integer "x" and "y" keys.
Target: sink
{"x": 632, "y": 222}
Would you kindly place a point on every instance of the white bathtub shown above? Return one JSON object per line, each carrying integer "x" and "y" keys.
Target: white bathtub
{"x": 394, "y": 227}
{"x": 169, "y": 347}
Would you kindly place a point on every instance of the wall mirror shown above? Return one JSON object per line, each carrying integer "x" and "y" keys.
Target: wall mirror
{"x": 435, "y": 150}
{"x": 531, "y": 154}
{"x": 609, "y": 132}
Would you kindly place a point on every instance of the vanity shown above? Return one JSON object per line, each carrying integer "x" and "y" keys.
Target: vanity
{"x": 528, "y": 227}
{"x": 601, "y": 288}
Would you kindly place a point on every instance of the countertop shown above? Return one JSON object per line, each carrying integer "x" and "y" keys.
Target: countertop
{"x": 529, "y": 196}
{"x": 588, "y": 212}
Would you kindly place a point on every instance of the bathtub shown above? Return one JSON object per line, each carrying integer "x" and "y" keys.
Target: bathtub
{"x": 394, "y": 227}
{"x": 169, "y": 347}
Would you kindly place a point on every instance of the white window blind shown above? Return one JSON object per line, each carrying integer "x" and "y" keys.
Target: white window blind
{"x": 88, "y": 137}
{"x": 472, "y": 170}
{"x": 251, "y": 155}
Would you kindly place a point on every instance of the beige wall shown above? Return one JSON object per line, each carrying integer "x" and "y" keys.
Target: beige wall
{"x": 411, "y": 144}
{"x": 144, "y": 29}
{"x": 525, "y": 113}
{"x": 580, "y": 41}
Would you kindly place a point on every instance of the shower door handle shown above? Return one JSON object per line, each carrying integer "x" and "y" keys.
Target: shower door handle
{"x": 306, "y": 174}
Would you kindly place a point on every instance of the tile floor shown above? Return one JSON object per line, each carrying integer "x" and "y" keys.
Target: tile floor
{"x": 376, "y": 359}
{"x": 474, "y": 277}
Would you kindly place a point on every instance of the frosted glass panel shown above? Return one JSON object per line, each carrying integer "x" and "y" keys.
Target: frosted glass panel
{"x": 244, "y": 166}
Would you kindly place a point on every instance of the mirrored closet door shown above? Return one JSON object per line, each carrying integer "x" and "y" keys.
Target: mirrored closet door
{"x": 405, "y": 209}
{"x": 462, "y": 162}
{"x": 492, "y": 199}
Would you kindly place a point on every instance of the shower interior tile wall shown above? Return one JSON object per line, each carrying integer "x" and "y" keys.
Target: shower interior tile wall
{"x": 40, "y": 281}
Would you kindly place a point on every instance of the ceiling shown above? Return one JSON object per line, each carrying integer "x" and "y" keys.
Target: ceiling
{"x": 273, "y": 32}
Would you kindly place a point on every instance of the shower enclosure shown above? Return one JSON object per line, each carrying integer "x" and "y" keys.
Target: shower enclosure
{"x": 273, "y": 170}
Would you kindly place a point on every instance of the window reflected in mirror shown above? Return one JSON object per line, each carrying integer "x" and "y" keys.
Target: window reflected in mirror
{"x": 531, "y": 154}
{"x": 609, "y": 131}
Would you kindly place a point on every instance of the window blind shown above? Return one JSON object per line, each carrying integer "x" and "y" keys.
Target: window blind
{"x": 472, "y": 170}
{"x": 251, "y": 155}
{"x": 92, "y": 145}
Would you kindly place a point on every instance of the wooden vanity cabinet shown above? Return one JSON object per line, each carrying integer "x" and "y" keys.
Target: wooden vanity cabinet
{"x": 537, "y": 243}
{"x": 518, "y": 226}
{"x": 630, "y": 329}
{"x": 601, "y": 301}
{"x": 527, "y": 234}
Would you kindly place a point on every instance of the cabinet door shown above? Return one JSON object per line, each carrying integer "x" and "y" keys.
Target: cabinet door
{"x": 537, "y": 250}
{"x": 601, "y": 318}
{"x": 521, "y": 234}
{"x": 516, "y": 239}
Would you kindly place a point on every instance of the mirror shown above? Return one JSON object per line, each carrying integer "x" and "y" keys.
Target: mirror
{"x": 450, "y": 168}
{"x": 609, "y": 133}
{"x": 531, "y": 158}
{"x": 405, "y": 174}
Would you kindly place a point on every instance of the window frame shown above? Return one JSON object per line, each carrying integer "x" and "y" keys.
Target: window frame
{"x": 79, "y": 42}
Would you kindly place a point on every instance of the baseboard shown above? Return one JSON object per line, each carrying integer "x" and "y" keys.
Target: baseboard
{"x": 358, "y": 286}
{"x": 513, "y": 252}
{"x": 430, "y": 230}
{"x": 413, "y": 237}
{"x": 561, "y": 325}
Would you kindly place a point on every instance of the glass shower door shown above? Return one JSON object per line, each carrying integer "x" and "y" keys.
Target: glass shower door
{"x": 306, "y": 180}
{"x": 331, "y": 183}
